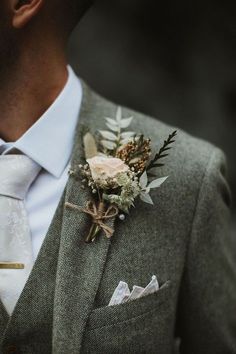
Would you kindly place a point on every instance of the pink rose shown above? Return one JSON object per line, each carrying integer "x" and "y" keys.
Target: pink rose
{"x": 103, "y": 168}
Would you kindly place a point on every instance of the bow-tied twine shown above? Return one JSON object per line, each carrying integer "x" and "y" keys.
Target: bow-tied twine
{"x": 98, "y": 214}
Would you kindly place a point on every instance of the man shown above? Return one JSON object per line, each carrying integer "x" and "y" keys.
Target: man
{"x": 55, "y": 298}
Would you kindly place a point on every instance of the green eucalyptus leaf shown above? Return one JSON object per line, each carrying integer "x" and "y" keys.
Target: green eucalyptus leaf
{"x": 143, "y": 181}
{"x": 145, "y": 197}
{"x": 157, "y": 182}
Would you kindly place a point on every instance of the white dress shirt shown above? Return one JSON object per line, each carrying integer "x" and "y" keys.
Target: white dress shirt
{"x": 49, "y": 143}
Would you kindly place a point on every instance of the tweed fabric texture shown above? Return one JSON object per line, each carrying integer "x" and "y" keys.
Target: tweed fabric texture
{"x": 30, "y": 326}
{"x": 184, "y": 240}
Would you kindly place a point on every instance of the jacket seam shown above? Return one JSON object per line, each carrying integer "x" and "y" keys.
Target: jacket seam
{"x": 189, "y": 239}
{"x": 198, "y": 201}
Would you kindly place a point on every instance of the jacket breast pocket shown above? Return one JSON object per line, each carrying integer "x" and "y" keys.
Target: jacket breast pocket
{"x": 136, "y": 326}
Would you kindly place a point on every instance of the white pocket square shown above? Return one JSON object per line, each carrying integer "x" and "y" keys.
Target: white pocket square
{"x": 123, "y": 294}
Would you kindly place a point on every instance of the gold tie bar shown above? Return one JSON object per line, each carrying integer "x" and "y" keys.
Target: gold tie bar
{"x": 11, "y": 265}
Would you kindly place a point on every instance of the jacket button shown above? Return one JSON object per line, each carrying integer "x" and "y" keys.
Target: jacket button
{"x": 12, "y": 349}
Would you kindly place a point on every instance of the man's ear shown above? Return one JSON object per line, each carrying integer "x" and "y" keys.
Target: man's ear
{"x": 24, "y": 11}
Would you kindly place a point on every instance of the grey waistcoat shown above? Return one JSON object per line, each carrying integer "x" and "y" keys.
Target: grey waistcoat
{"x": 183, "y": 240}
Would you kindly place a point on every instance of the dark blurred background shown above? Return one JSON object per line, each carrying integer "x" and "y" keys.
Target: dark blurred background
{"x": 173, "y": 60}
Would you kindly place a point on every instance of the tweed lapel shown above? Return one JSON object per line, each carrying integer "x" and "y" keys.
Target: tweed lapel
{"x": 4, "y": 318}
{"x": 80, "y": 265}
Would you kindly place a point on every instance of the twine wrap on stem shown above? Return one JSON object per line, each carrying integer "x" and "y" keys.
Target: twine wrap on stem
{"x": 99, "y": 215}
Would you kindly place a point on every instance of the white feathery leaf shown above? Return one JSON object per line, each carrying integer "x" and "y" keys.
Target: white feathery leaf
{"x": 113, "y": 127}
{"x": 111, "y": 121}
{"x": 145, "y": 197}
{"x": 143, "y": 181}
{"x": 108, "y": 144}
{"x": 119, "y": 114}
{"x": 147, "y": 190}
{"x": 157, "y": 182}
{"x": 90, "y": 147}
{"x": 127, "y": 135}
{"x": 108, "y": 135}
{"x": 125, "y": 122}
{"x": 124, "y": 141}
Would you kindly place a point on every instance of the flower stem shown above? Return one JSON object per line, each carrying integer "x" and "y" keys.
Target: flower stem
{"x": 94, "y": 230}
{"x": 99, "y": 195}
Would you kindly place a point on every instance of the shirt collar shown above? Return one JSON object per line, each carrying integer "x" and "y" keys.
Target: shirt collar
{"x": 49, "y": 141}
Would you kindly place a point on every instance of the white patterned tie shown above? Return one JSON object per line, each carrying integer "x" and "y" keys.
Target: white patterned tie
{"x": 17, "y": 172}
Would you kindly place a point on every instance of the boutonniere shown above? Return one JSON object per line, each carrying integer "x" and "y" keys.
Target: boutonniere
{"x": 120, "y": 167}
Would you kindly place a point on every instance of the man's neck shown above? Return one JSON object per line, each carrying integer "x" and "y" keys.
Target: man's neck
{"x": 28, "y": 92}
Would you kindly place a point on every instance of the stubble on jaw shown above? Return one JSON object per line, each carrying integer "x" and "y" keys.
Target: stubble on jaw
{"x": 9, "y": 48}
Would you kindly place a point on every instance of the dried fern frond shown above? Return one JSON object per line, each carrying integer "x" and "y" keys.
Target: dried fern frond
{"x": 162, "y": 152}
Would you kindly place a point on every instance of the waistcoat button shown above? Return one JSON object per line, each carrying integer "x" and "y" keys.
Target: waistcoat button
{"x": 12, "y": 349}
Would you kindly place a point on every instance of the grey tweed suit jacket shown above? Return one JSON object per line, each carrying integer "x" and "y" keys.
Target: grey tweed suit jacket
{"x": 184, "y": 240}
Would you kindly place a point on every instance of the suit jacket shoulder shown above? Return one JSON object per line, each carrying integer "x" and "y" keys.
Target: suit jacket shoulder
{"x": 183, "y": 239}
{"x": 190, "y": 156}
